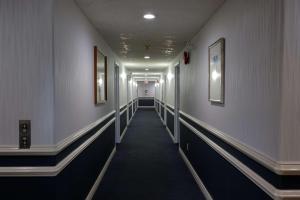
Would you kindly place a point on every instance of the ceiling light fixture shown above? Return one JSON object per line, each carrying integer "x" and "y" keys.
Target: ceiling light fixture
{"x": 147, "y": 57}
{"x": 149, "y": 16}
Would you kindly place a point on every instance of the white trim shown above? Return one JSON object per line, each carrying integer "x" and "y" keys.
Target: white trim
{"x": 123, "y": 133}
{"x": 99, "y": 178}
{"x": 125, "y": 130}
{"x": 52, "y": 149}
{"x": 170, "y": 111}
{"x": 195, "y": 175}
{"x": 255, "y": 178}
{"x": 171, "y": 106}
{"x": 146, "y": 106}
{"x": 162, "y": 120}
{"x": 121, "y": 113}
{"x": 276, "y": 167}
{"x": 124, "y": 105}
{"x": 52, "y": 170}
{"x": 168, "y": 130}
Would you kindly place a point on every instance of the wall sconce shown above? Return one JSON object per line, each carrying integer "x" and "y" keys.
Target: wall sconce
{"x": 123, "y": 76}
{"x": 170, "y": 76}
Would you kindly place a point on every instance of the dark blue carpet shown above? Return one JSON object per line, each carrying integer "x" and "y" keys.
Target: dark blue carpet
{"x": 147, "y": 165}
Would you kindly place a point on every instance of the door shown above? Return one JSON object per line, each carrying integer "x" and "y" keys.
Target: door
{"x": 177, "y": 104}
{"x": 117, "y": 103}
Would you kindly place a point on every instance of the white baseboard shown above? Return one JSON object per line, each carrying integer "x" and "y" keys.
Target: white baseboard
{"x": 172, "y": 137}
{"x": 99, "y": 178}
{"x": 195, "y": 175}
{"x": 123, "y": 133}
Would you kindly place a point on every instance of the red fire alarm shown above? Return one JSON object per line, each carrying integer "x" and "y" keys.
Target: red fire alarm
{"x": 186, "y": 57}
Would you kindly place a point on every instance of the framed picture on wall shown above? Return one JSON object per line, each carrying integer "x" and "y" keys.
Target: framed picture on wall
{"x": 100, "y": 77}
{"x": 216, "y": 71}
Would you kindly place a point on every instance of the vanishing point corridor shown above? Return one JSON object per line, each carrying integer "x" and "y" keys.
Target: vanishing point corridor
{"x": 147, "y": 165}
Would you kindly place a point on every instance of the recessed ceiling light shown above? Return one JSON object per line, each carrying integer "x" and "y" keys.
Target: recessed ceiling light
{"x": 147, "y": 57}
{"x": 149, "y": 16}
{"x": 146, "y": 69}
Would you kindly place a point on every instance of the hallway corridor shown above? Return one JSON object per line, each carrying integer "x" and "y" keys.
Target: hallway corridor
{"x": 150, "y": 100}
{"x": 147, "y": 165}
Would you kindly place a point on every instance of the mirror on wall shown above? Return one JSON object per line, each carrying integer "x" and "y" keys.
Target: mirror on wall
{"x": 100, "y": 76}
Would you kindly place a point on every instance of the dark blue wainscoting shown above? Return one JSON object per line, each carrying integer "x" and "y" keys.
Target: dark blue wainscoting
{"x": 74, "y": 182}
{"x": 222, "y": 179}
{"x": 146, "y": 102}
{"x": 279, "y": 181}
{"x": 123, "y": 122}
{"x": 162, "y": 112}
{"x": 130, "y": 111}
{"x": 170, "y": 122}
{"x": 78, "y": 178}
{"x": 50, "y": 160}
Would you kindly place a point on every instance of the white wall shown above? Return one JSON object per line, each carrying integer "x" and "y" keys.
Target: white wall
{"x": 290, "y": 105}
{"x": 251, "y": 113}
{"x": 142, "y": 87}
{"x": 74, "y": 39}
{"x": 134, "y": 90}
{"x": 123, "y": 86}
{"x": 170, "y": 85}
{"x": 26, "y": 70}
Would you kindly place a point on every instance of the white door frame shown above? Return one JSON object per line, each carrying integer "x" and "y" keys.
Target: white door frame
{"x": 128, "y": 97}
{"x": 165, "y": 99}
{"x": 177, "y": 104}
{"x": 117, "y": 102}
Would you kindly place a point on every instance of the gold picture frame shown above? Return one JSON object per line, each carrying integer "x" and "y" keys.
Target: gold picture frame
{"x": 100, "y": 77}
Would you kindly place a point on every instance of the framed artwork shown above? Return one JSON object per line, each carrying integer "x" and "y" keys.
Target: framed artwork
{"x": 216, "y": 71}
{"x": 100, "y": 77}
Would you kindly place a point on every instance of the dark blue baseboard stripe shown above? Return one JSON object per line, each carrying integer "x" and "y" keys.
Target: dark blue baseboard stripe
{"x": 170, "y": 122}
{"x": 278, "y": 181}
{"x": 74, "y": 182}
{"x": 130, "y": 112}
{"x": 146, "y": 102}
{"x": 123, "y": 122}
{"x": 222, "y": 180}
{"x": 162, "y": 112}
{"x": 50, "y": 160}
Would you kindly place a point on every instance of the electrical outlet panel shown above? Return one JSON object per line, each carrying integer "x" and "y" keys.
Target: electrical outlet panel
{"x": 24, "y": 134}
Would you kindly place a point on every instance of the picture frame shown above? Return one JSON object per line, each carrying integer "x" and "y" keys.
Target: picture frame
{"x": 216, "y": 80}
{"x": 100, "y": 77}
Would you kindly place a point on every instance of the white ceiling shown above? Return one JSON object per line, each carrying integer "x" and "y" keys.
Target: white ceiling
{"x": 122, "y": 25}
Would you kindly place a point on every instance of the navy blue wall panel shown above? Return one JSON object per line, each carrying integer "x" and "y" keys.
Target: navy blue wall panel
{"x": 75, "y": 181}
{"x": 123, "y": 122}
{"x": 221, "y": 178}
{"x": 279, "y": 181}
{"x": 146, "y": 102}
{"x": 16, "y": 188}
{"x": 79, "y": 176}
{"x": 170, "y": 122}
{"x": 162, "y": 113}
{"x": 130, "y": 112}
